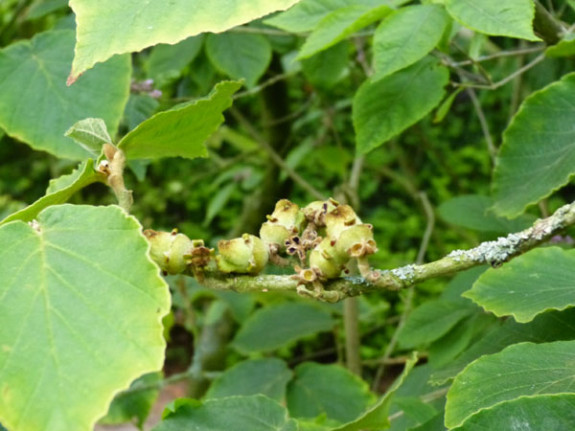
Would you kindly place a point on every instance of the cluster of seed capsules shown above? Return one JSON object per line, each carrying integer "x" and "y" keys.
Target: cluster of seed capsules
{"x": 325, "y": 238}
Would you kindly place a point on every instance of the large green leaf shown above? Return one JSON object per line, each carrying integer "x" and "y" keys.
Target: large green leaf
{"x": 376, "y": 418}
{"x": 340, "y": 24}
{"x": 240, "y": 56}
{"x": 59, "y": 191}
{"x": 109, "y": 27}
{"x": 166, "y": 62}
{"x": 406, "y": 36}
{"x": 547, "y": 327}
{"x": 432, "y": 320}
{"x": 551, "y": 412}
{"x": 474, "y": 212}
{"x": 253, "y": 413}
{"x": 387, "y": 107}
{"x": 521, "y": 370}
{"x": 290, "y": 322}
{"x": 327, "y": 389}
{"x": 538, "y": 151}
{"x": 36, "y": 107}
{"x": 267, "y": 376}
{"x": 182, "y": 130}
{"x": 77, "y": 327}
{"x": 511, "y": 18}
{"x": 533, "y": 283}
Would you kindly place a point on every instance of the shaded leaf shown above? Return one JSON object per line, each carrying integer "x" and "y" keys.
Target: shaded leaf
{"x": 406, "y": 36}
{"x": 182, "y": 130}
{"x": 90, "y": 133}
{"x": 36, "y": 107}
{"x": 474, "y": 212}
{"x": 76, "y": 326}
{"x": 267, "y": 376}
{"x": 530, "y": 284}
{"x": 538, "y": 151}
{"x": 383, "y": 109}
{"x": 520, "y": 370}
{"x": 166, "y": 62}
{"x": 59, "y": 191}
{"x": 240, "y": 56}
{"x": 326, "y": 68}
{"x": 565, "y": 47}
{"x": 512, "y": 18}
{"x": 253, "y": 413}
{"x": 306, "y": 14}
{"x": 276, "y": 325}
{"x": 327, "y": 389}
{"x": 102, "y": 30}
{"x": 340, "y": 24}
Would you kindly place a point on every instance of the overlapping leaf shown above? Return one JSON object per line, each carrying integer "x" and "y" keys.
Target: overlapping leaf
{"x": 77, "y": 326}
{"x": 109, "y": 27}
{"x": 36, "y": 107}
{"x": 538, "y": 151}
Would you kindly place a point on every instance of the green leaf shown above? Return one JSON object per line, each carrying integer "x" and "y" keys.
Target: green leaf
{"x": 474, "y": 212}
{"x": 166, "y": 62}
{"x": 240, "y": 56}
{"x": 538, "y": 151}
{"x": 36, "y": 107}
{"x": 326, "y": 68}
{"x": 521, "y": 370}
{"x": 340, "y": 24}
{"x": 550, "y": 326}
{"x": 430, "y": 321}
{"x": 306, "y": 14}
{"x": 77, "y": 326}
{"x": 253, "y": 413}
{"x": 327, "y": 389}
{"x": 182, "y": 130}
{"x": 414, "y": 412}
{"x": 58, "y": 192}
{"x": 102, "y": 28}
{"x": 529, "y": 285}
{"x": 511, "y": 18}
{"x": 564, "y": 48}
{"x": 376, "y": 418}
{"x": 135, "y": 405}
{"x": 445, "y": 106}
{"x": 406, "y": 36}
{"x": 90, "y": 133}
{"x": 551, "y": 412}
{"x": 267, "y": 376}
{"x": 218, "y": 201}
{"x": 383, "y": 109}
{"x": 276, "y": 325}
{"x": 139, "y": 108}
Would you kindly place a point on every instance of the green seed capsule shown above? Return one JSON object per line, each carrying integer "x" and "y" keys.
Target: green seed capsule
{"x": 339, "y": 220}
{"x": 168, "y": 250}
{"x": 326, "y": 260}
{"x": 272, "y": 233}
{"x": 356, "y": 241}
{"x": 245, "y": 255}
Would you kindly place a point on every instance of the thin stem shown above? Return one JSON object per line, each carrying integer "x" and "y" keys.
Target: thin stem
{"x": 265, "y": 84}
{"x": 484, "y": 125}
{"x": 504, "y": 81}
{"x": 352, "y": 337}
{"x": 517, "y": 52}
{"x": 430, "y": 216}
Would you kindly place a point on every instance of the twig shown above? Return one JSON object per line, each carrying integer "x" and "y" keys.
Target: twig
{"x": 517, "y": 52}
{"x": 263, "y": 85}
{"x": 256, "y": 30}
{"x": 484, "y": 125}
{"x": 504, "y": 81}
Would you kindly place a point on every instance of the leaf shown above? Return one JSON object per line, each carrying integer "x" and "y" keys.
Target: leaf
{"x": 218, "y": 201}
{"x": 240, "y": 56}
{"x": 276, "y": 325}
{"x": 267, "y": 376}
{"x": 376, "y": 418}
{"x": 406, "y": 36}
{"x": 512, "y": 18}
{"x": 90, "y": 133}
{"x": 383, "y": 109}
{"x": 474, "y": 212}
{"x": 552, "y": 412}
{"x": 538, "y": 151}
{"x": 36, "y": 107}
{"x": 529, "y": 285}
{"x": 327, "y": 389}
{"x": 340, "y": 24}
{"x": 59, "y": 191}
{"x": 77, "y": 327}
{"x": 414, "y": 411}
{"x": 430, "y": 321}
{"x": 102, "y": 28}
{"x": 182, "y": 130}
{"x": 306, "y": 14}
{"x": 139, "y": 108}
{"x": 521, "y": 370}
{"x": 547, "y": 327}
{"x": 445, "y": 106}
{"x": 166, "y": 62}
{"x": 136, "y": 405}
{"x": 253, "y": 413}
{"x": 326, "y": 68}
{"x": 564, "y": 48}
